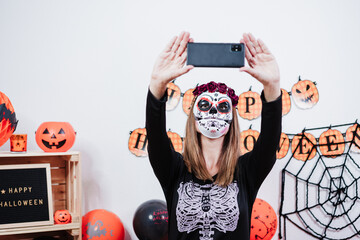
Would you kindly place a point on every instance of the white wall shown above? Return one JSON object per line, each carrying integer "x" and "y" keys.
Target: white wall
{"x": 89, "y": 62}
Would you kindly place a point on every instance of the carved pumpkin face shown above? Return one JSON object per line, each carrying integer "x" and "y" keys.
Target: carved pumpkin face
{"x": 249, "y": 105}
{"x": 188, "y": 100}
{"x": 8, "y": 120}
{"x": 62, "y": 217}
{"x": 138, "y": 142}
{"x": 55, "y": 136}
{"x": 305, "y": 94}
{"x": 18, "y": 142}
{"x": 332, "y": 143}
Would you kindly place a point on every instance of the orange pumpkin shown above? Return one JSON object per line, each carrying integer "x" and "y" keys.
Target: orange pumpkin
{"x": 286, "y": 102}
{"x": 303, "y": 146}
{"x": 332, "y": 143}
{"x": 8, "y": 120}
{"x": 249, "y": 105}
{"x": 188, "y": 100}
{"x": 18, "y": 142}
{"x": 62, "y": 217}
{"x": 305, "y": 94}
{"x": 248, "y": 139}
{"x": 353, "y": 136}
{"x": 174, "y": 93}
{"x": 138, "y": 142}
{"x": 55, "y": 136}
{"x": 284, "y": 145}
{"x": 176, "y": 141}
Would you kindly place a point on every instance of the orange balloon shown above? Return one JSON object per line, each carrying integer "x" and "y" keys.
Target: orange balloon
{"x": 263, "y": 221}
{"x": 55, "y": 136}
{"x": 101, "y": 224}
{"x": 8, "y": 120}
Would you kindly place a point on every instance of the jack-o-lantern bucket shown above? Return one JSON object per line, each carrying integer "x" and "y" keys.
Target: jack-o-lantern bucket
{"x": 62, "y": 217}
{"x": 18, "y": 143}
{"x": 8, "y": 120}
{"x": 55, "y": 136}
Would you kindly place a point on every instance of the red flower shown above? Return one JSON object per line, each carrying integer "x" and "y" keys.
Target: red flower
{"x": 211, "y": 86}
{"x": 222, "y": 87}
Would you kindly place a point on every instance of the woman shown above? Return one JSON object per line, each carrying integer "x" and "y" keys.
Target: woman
{"x": 211, "y": 187}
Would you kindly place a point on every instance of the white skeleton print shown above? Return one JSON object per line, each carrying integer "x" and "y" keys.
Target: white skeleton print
{"x": 206, "y": 208}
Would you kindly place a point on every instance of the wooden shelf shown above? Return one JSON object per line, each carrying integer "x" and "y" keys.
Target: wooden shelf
{"x": 66, "y": 193}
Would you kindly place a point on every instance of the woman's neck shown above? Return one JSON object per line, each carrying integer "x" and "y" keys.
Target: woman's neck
{"x": 211, "y": 149}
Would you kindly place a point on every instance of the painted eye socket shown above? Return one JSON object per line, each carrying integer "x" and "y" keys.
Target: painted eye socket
{"x": 204, "y": 105}
{"x": 46, "y": 131}
{"x": 224, "y": 107}
{"x": 61, "y": 131}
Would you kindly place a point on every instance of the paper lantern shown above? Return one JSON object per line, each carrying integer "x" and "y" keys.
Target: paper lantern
{"x": 188, "y": 99}
{"x": 176, "y": 141}
{"x": 138, "y": 142}
{"x": 8, "y": 120}
{"x": 248, "y": 139}
{"x": 263, "y": 221}
{"x": 303, "y": 146}
{"x": 100, "y": 224}
{"x": 284, "y": 146}
{"x": 18, "y": 143}
{"x": 286, "y": 102}
{"x": 62, "y": 217}
{"x": 55, "y": 136}
{"x": 353, "y": 135}
{"x": 332, "y": 143}
{"x": 305, "y": 94}
{"x": 173, "y": 92}
{"x": 249, "y": 105}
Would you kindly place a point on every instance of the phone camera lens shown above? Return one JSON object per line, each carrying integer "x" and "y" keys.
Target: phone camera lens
{"x": 236, "y": 48}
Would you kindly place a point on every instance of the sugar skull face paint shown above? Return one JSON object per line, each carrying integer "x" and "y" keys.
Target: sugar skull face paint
{"x": 213, "y": 114}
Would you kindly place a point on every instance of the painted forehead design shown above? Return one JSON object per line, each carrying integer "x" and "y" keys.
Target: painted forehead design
{"x": 215, "y": 96}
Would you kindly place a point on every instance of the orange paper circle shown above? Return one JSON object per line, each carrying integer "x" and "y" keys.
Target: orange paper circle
{"x": 305, "y": 94}
{"x": 176, "y": 141}
{"x": 286, "y": 102}
{"x": 173, "y": 92}
{"x": 248, "y": 139}
{"x": 138, "y": 142}
{"x": 304, "y": 144}
{"x": 355, "y": 145}
{"x": 332, "y": 143}
{"x": 284, "y": 146}
{"x": 187, "y": 100}
{"x": 249, "y": 105}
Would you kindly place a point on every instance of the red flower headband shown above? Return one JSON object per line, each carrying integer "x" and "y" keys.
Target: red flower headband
{"x": 220, "y": 87}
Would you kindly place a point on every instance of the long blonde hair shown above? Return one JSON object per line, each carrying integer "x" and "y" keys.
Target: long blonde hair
{"x": 230, "y": 152}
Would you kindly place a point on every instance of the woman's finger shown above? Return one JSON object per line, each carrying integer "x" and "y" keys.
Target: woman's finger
{"x": 183, "y": 57}
{"x": 249, "y": 45}
{"x": 183, "y": 44}
{"x": 263, "y": 47}
{"x": 177, "y": 42}
{"x": 255, "y": 43}
{"x": 248, "y": 55}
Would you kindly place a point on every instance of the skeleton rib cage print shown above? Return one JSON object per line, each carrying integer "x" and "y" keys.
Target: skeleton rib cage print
{"x": 320, "y": 194}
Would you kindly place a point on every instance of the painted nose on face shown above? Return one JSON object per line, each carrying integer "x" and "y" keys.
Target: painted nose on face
{"x": 213, "y": 110}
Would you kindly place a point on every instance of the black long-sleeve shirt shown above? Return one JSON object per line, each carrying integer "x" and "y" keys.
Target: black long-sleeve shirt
{"x": 200, "y": 209}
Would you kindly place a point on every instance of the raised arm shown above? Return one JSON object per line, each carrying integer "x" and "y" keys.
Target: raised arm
{"x": 263, "y": 67}
{"x": 168, "y": 66}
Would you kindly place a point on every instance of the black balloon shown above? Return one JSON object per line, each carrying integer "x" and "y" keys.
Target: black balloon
{"x": 151, "y": 221}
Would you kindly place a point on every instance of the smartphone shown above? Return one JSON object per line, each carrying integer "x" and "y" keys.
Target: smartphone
{"x": 231, "y": 55}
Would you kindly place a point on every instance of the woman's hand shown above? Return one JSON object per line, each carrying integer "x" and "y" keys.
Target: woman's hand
{"x": 262, "y": 66}
{"x": 170, "y": 64}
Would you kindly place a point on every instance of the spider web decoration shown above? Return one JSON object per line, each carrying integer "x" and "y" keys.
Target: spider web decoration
{"x": 321, "y": 194}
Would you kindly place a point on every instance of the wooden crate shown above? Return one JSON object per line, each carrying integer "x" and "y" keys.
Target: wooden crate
{"x": 66, "y": 194}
